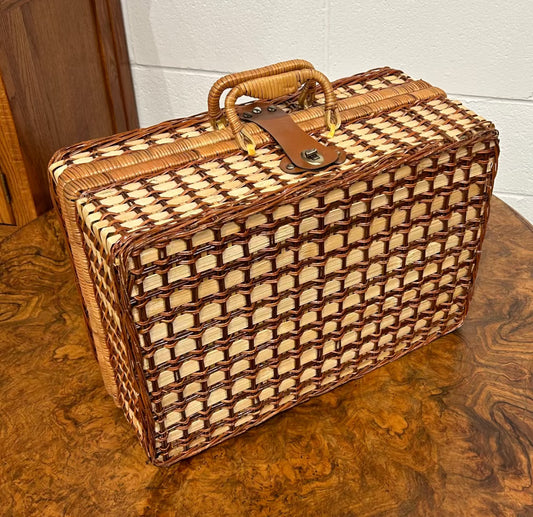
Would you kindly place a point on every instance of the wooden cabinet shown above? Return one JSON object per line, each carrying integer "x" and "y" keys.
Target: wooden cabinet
{"x": 64, "y": 78}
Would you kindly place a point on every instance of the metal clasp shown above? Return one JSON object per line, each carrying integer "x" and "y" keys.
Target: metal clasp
{"x": 312, "y": 156}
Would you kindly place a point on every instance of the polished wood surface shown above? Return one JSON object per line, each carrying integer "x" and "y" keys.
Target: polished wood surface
{"x": 65, "y": 67}
{"x": 446, "y": 430}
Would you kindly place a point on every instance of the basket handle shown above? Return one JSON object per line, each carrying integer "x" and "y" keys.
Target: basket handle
{"x": 230, "y": 81}
{"x": 277, "y": 86}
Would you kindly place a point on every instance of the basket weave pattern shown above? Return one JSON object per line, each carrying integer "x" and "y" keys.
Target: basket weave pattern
{"x": 230, "y": 290}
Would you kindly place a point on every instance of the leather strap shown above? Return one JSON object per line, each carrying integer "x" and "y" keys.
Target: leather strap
{"x": 303, "y": 151}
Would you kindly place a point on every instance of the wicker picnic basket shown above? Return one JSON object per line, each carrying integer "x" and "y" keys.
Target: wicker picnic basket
{"x": 235, "y": 263}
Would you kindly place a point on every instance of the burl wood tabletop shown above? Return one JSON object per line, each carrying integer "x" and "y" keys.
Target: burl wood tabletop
{"x": 446, "y": 430}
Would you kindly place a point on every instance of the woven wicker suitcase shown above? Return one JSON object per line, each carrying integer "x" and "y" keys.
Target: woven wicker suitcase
{"x": 237, "y": 262}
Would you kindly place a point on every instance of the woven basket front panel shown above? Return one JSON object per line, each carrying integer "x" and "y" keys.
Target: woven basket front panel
{"x": 247, "y": 318}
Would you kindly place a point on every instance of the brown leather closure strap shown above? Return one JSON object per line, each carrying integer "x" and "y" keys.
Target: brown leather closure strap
{"x": 278, "y": 86}
{"x": 230, "y": 81}
{"x": 303, "y": 151}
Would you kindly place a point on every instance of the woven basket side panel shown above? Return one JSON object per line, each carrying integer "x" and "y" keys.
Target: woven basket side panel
{"x": 105, "y": 287}
{"x": 243, "y": 320}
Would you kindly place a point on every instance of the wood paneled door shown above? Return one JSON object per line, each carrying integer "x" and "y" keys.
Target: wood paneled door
{"x": 64, "y": 78}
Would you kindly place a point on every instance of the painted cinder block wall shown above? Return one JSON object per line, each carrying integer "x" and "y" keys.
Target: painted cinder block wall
{"x": 479, "y": 51}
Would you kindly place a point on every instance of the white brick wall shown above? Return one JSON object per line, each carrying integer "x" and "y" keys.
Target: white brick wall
{"x": 480, "y": 51}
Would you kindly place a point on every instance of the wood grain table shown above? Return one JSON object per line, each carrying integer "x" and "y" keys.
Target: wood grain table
{"x": 446, "y": 430}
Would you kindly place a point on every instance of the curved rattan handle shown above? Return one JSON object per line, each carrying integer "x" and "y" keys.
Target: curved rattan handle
{"x": 277, "y": 86}
{"x": 230, "y": 81}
